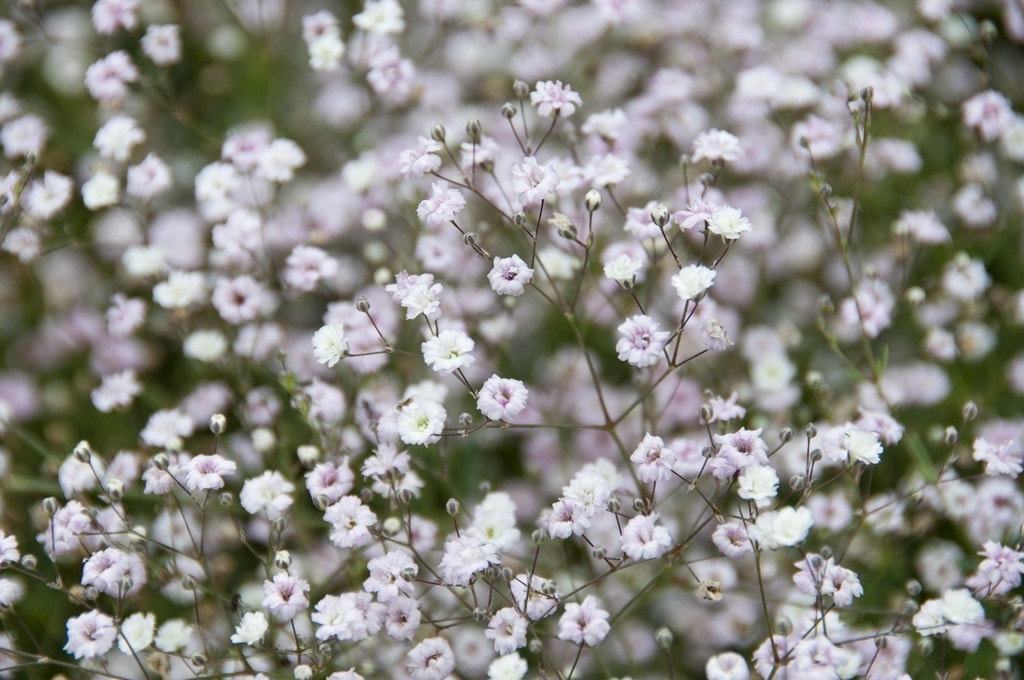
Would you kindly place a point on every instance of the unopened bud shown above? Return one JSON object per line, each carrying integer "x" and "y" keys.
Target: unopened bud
{"x": 913, "y": 587}
{"x": 479, "y": 614}
{"x": 549, "y": 588}
{"x": 783, "y": 626}
{"x": 867, "y": 94}
{"x": 321, "y": 501}
{"x": 473, "y": 129}
{"x": 437, "y": 133}
{"x": 710, "y": 590}
{"x": 539, "y": 536}
{"x": 811, "y": 430}
{"x": 816, "y": 455}
{"x": 161, "y": 461}
{"x": 639, "y": 505}
{"x": 970, "y": 411}
{"x": 599, "y": 552}
{"x": 303, "y": 672}
{"x": 91, "y": 593}
{"x": 226, "y": 499}
{"x": 218, "y": 423}
{"x": 660, "y": 215}
{"x": 188, "y": 582}
{"x": 362, "y": 304}
{"x": 465, "y": 420}
{"x": 408, "y": 573}
{"x": 82, "y": 452}
{"x": 796, "y": 482}
{"x": 505, "y": 574}
{"x": 126, "y": 582}
{"x": 708, "y": 452}
{"x": 391, "y": 526}
{"x": 508, "y": 111}
{"x": 283, "y": 560}
{"x": 535, "y": 646}
{"x": 115, "y": 489}
{"x": 663, "y": 638}
{"x": 519, "y": 219}
{"x": 308, "y": 454}
{"x": 198, "y": 659}
{"x": 881, "y": 642}
{"x": 614, "y": 504}
{"x": 50, "y": 506}
{"x": 915, "y": 295}
{"x": 520, "y": 89}
{"x": 950, "y": 436}
{"x": 452, "y": 507}
{"x": 786, "y": 435}
{"x": 403, "y": 496}
{"x": 278, "y": 525}
{"x": 29, "y": 562}
{"x": 706, "y": 413}
{"x": 592, "y": 200}
{"x": 826, "y": 551}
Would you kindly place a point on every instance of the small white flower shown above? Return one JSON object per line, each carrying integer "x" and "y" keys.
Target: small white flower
{"x": 136, "y": 633}
{"x": 862, "y": 446}
{"x": 728, "y": 223}
{"x": 693, "y": 280}
{"x": 251, "y": 629}
{"x": 623, "y": 268}
{"x": 101, "y": 190}
{"x": 448, "y": 351}
{"x": 329, "y": 344}
{"x": 206, "y": 345}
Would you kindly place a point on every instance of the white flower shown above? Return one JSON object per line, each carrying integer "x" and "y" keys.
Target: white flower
{"x": 173, "y": 635}
{"x": 862, "y": 446}
{"x": 959, "y": 606}
{"x": 206, "y": 345}
{"x": 728, "y": 223}
{"x": 136, "y": 633}
{"x": 382, "y": 17}
{"x": 180, "y": 290}
{"x": 101, "y": 190}
{"x": 758, "y": 483}
{"x": 420, "y": 421}
{"x": 623, "y": 268}
{"x": 251, "y": 629}
{"x": 329, "y": 344}
{"x": 117, "y": 137}
{"x": 325, "y": 53}
{"x": 508, "y": 667}
{"x": 448, "y": 351}
{"x": 716, "y": 145}
{"x": 783, "y": 528}
{"x": 270, "y": 491}
{"x": 693, "y": 280}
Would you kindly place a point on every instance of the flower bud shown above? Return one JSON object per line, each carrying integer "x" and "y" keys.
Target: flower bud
{"x": 710, "y": 590}
{"x": 480, "y": 615}
{"x": 465, "y": 420}
{"x": 614, "y": 504}
{"x": 508, "y": 111}
{"x": 308, "y": 454}
{"x": 796, "y": 482}
{"x": 362, "y": 304}
{"x": 639, "y": 505}
{"x": 437, "y": 133}
{"x": 950, "y": 436}
{"x": 520, "y": 89}
{"x": 198, "y": 659}
{"x": 783, "y": 626}
{"x": 663, "y": 638}
{"x": 811, "y": 430}
{"x": 786, "y": 435}
{"x": 91, "y": 593}
{"x": 303, "y": 672}
{"x": 29, "y": 562}
{"x": 913, "y": 587}
{"x": 408, "y": 573}
{"x": 278, "y": 525}
{"x": 188, "y": 582}
{"x": 519, "y": 219}
{"x": 283, "y": 560}
{"x": 970, "y": 411}
{"x": 218, "y": 423}
{"x": 549, "y": 588}
{"x": 404, "y": 496}
{"x": 320, "y": 502}
{"x": 50, "y": 506}
{"x": 115, "y": 489}
{"x": 539, "y": 536}
{"x": 82, "y": 452}
{"x": 599, "y": 552}
{"x": 592, "y": 200}
{"x": 816, "y": 455}
{"x": 706, "y": 413}
{"x": 226, "y": 499}
{"x": 473, "y": 129}
{"x": 391, "y": 526}
{"x": 126, "y": 583}
{"x": 535, "y": 646}
{"x": 915, "y": 295}
{"x": 161, "y": 461}
{"x": 505, "y": 574}
{"x": 660, "y": 215}
{"x": 452, "y": 507}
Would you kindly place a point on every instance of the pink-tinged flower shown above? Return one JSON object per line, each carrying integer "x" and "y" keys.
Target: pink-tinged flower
{"x": 507, "y": 630}
{"x": 442, "y": 206}
{"x": 502, "y": 398}
{"x": 509, "y": 276}
{"x": 584, "y": 624}
{"x": 870, "y": 308}
{"x": 307, "y": 266}
{"x": 167, "y": 428}
{"x": 162, "y": 44}
{"x": 330, "y": 480}
{"x": 431, "y": 659}
{"x": 402, "y": 618}
{"x": 696, "y": 214}
{"x": 66, "y": 532}
{"x": 822, "y": 138}
{"x": 989, "y": 113}
{"x": 270, "y": 493}
{"x": 206, "y": 473}
{"x": 531, "y": 596}
{"x": 242, "y": 299}
{"x": 464, "y": 557}
{"x": 421, "y": 159}
{"x": 114, "y": 572}
{"x": 117, "y": 390}
{"x": 109, "y": 15}
{"x": 727, "y": 666}
{"x": 348, "y": 617}
{"x": 23, "y": 136}
{"x": 149, "y": 178}
{"x": 285, "y": 596}
{"x": 46, "y": 197}
{"x": 642, "y": 539}
{"x": 554, "y": 99}
{"x": 8, "y": 548}
{"x": 1000, "y": 571}
{"x": 90, "y": 635}
{"x": 389, "y": 576}
{"x": 819, "y": 576}
{"x": 653, "y": 461}
{"x": 532, "y": 182}
{"x": 923, "y": 226}
{"x": 732, "y": 540}
{"x": 107, "y": 79}
{"x": 999, "y": 459}
{"x": 350, "y": 522}
{"x": 641, "y": 342}
{"x": 738, "y": 450}
{"x": 716, "y": 146}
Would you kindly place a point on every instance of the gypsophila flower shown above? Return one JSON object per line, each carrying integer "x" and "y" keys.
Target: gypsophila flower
{"x": 431, "y": 659}
{"x": 162, "y": 44}
{"x": 448, "y": 351}
{"x": 173, "y": 635}
{"x": 109, "y": 15}
{"x": 532, "y": 182}
{"x": 108, "y": 569}
{"x": 442, "y": 206}
{"x": 732, "y": 540}
{"x": 381, "y": 17}
{"x": 251, "y": 629}
{"x": 583, "y": 624}
{"x": 502, "y": 398}
{"x": 107, "y": 79}
{"x": 350, "y": 522}
{"x": 507, "y": 630}
{"x": 207, "y": 472}
{"x": 758, "y": 483}
{"x": 862, "y": 446}
{"x": 24, "y": 136}
{"x": 387, "y": 576}
{"x": 118, "y": 390}
{"x": 989, "y": 113}
{"x": 532, "y": 597}
{"x": 420, "y": 421}
{"x": 782, "y": 528}
{"x": 285, "y": 596}
{"x": 509, "y": 667}
{"x": 46, "y": 197}
{"x": 330, "y": 344}
{"x": 623, "y": 269}
{"x": 1000, "y": 571}
{"x": 116, "y": 138}
{"x": 652, "y": 459}
{"x": 90, "y": 635}
{"x": 149, "y": 178}
{"x": 1003, "y": 458}
{"x": 643, "y": 539}
{"x": 8, "y": 548}
{"x": 727, "y": 666}
{"x": 554, "y": 99}
{"x": 136, "y": 633}
{"x": 101, "y": 190}
{"x": 464, "y": 557}
{"x": 716, "y": 146}
{"x": 729, "y": 223}
{"x": 421, "y": 159}
{"x": 693, "y": 281}
{"x": 269, "y": 492}
{"x": 166, "y": 429}
{"x": 642, "y": 342}
{"x": 509, "y": 275}
{"x": 307, "y": 266}
{"x": 348, "y": 617}
{"x": 205, "y": 345}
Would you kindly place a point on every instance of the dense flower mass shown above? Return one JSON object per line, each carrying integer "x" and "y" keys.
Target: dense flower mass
{"x": 447, "y": 339}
